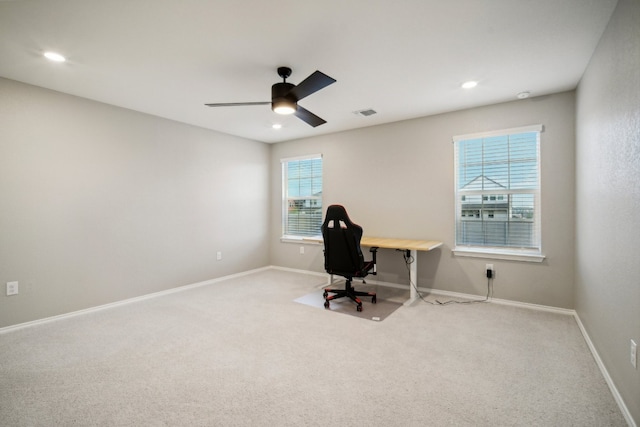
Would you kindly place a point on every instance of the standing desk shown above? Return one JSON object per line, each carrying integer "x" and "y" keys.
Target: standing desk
{"x": 404, "y": 244}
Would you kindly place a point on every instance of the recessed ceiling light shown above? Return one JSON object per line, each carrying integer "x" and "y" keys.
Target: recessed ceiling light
{"x": 470, "y": 84}
{"x": 523, "y": 95}
{"x": 53, "y": 56}
{"x": 276, "y": 126}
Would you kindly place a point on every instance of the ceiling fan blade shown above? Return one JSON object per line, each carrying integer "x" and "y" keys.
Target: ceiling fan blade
{"x": 311, "y": 84}
{"x": 308, "y": 117}
{"x": 237, "y": 104}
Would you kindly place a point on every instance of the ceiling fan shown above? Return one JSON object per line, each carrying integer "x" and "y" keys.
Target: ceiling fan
{"x": 285, "y": 96}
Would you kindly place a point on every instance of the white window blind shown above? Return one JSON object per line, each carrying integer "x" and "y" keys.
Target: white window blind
{"x": 302, "y": 196}
{"x": 497, "y": 186}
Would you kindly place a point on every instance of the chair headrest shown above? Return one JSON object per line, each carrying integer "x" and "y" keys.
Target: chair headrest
{"x": 337, "y": 214}
{"x": 337, "y": 218}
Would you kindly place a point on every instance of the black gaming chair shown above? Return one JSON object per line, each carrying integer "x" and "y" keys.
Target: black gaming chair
{"x": 343, "y": 256}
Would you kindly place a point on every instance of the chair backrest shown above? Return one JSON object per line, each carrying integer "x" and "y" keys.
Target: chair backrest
{"x": 342, "y": 252}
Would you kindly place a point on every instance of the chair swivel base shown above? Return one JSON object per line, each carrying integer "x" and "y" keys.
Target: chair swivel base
{"x": 348, "y": 292}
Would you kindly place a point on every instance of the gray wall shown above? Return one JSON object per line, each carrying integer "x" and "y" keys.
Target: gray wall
{"x": 396, "y": 180}
{"x": 608, "y": 199}
{"x": 99, "y": 204}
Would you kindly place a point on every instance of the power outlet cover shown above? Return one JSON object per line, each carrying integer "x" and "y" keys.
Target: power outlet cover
{"x": 487, "y": 268}
{"x": 12, "y": 288}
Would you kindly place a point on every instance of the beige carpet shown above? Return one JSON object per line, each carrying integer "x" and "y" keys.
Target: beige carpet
{"x": 242, "y": 353}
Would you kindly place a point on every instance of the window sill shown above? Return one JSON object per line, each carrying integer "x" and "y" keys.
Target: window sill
{"x": 304, "y": 240}
{"x": 499, "y": 254}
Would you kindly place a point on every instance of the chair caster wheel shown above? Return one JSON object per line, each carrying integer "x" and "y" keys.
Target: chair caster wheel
{"x": 325, "y": 294}
{"x": 326, "y": 305}
{"x": 359, "y": 307}
{"x": 373, "y": 299}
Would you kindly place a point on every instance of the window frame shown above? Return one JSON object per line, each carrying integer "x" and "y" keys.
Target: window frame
{"x": 499, "y": 252}
{"x": 286, "y": 200}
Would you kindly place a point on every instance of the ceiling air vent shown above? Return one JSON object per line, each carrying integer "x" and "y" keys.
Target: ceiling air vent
{"x": 366, "y": 113}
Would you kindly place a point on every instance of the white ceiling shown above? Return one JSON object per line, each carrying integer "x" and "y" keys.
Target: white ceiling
{"x": 402, "y": 58}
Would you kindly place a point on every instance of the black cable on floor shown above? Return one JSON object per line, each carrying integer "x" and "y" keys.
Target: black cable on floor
{"x": 408, "y": 259}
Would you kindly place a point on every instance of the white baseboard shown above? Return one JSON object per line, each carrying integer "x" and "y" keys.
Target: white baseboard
{"x": 12, "y": 328}
{"x": 450, "y": 294}
{"x": 605, "y": 374}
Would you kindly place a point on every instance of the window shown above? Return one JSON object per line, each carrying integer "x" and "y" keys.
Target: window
{"x": 302, "y": 196}
{"x": 497, "y": 184}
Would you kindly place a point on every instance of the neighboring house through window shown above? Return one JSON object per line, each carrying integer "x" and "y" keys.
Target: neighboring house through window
{"x": 497, "y": 185}
{"x": 302, "y": 196}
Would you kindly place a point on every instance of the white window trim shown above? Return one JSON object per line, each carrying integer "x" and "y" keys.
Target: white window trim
{"x": 288, "y": 238}
{"x": 509, "y": 254}
{"x": 310, "y": 156}
{"x": 499, "y": 253}
{"x": 522, "y": 129}
{"x": 302, "y": 240}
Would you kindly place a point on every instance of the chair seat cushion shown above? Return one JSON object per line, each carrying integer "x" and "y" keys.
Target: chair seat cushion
{"x": 368, "y": 265}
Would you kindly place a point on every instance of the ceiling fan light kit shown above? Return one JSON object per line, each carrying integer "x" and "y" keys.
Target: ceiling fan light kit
{"x": 282, "y": 102}
{"x": 284, "y": 107}
{"x": 285, "y": 96}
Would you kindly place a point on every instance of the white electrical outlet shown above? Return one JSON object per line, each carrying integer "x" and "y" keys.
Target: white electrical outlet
{"x": 301, "y": 250}
{"x": 12, "y": 288}
{"x": 218, "y": 255}
{"x": 634, "y": 354}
